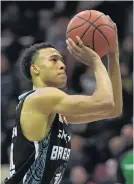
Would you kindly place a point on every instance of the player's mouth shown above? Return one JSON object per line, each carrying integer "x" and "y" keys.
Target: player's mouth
{"x": 63, "y": 73}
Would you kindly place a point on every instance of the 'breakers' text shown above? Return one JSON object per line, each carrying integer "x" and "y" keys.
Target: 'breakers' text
{"x": 59, "y": 152}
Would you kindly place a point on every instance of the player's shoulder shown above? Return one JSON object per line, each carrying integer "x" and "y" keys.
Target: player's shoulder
{"x": 43, "y": 92}
{"x": 44, "y": 98}
{"x": 46, "y": 94}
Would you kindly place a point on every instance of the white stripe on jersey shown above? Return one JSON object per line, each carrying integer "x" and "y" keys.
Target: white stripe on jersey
{"x": 12, "y": 166}
{"x": 36, "y": 149}
{"x": 24, "y": 178}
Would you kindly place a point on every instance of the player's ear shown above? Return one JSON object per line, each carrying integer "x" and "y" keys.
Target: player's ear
{"x": 35, "y": 69}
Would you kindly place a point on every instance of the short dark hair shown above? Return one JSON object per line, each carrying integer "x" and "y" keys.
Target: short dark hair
{"x": 27, "y": 57}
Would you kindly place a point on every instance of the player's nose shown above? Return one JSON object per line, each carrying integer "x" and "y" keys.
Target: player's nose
{"x": 62, "y": 66}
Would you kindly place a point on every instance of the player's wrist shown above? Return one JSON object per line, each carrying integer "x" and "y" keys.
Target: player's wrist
{"x": 115, "y": 50}
{"x": 95, "y": 62}
{"x": 113, "y": 55}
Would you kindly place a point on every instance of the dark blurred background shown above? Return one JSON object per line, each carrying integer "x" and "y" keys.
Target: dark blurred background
{"x": 102, "y": 150}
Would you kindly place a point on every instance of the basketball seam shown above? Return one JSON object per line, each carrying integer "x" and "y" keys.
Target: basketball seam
{"x": 103, "y": 36}
{"x": 89, "y": 15}
{"x": 89, "y": 27}
{"x": 106, "y": 25}
{"x": 77, "y": 26}
{"x": 93, "y": 38}
{"x": 81, "y": 24}
{"x": 95, "y": 29}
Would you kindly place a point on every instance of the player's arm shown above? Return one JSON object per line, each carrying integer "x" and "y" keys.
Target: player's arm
{"x": 51, "y": 100}
{"x": 115, "y": 76}
{"x": 88, "y": 118}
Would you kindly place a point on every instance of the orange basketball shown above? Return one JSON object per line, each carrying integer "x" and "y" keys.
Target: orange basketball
{"x": 94, "y": 28}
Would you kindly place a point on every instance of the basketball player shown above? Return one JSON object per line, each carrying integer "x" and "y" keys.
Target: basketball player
{"x": 40, "y": 147}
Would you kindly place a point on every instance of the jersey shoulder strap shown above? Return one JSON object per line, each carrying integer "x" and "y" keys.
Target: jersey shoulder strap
{"x": 20, "y": 104}
{"x": 19, "y": 107}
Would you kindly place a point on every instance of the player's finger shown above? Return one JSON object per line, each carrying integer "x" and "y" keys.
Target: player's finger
{"x": 70, "y": 51}
{"x": 68, "y": 44}
{"x": 80, "y": 43}
{"x": 115, "y": 26}
{"x": 74, "y": 54}
{"x": 110, "y": 19}
{"x": 73, "y": 45}
{"x": 70, "y": 47}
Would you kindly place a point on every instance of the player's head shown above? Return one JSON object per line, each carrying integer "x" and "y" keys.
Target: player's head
{"x": 43, "y": 64}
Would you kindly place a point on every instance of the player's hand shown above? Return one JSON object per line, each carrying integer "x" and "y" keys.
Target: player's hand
{"x": 81, "y": 52}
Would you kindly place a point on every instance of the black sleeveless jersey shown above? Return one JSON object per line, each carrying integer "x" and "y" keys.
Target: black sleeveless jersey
{"x": 39, "y": 162}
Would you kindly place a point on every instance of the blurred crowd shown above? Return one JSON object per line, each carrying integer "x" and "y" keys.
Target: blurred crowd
{"x": 101, "y": 151}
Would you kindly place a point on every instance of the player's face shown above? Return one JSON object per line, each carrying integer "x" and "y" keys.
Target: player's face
{"x": 52, "y": 68}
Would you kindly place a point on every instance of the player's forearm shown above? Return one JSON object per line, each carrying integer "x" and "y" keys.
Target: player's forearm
{"x": 115, "y": 76}
{"x": 103, "y": 83}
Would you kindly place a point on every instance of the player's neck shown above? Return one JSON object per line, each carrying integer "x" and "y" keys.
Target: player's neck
{"x": 39, "y": 85}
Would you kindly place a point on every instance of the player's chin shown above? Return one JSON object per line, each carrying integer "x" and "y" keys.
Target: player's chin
{"x": 62, "y": 83}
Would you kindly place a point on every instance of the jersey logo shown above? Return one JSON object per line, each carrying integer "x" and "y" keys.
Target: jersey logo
{"x": 58, "y": 174}
{"x": 62, "y": 119}
{"x": 63, "y": 135}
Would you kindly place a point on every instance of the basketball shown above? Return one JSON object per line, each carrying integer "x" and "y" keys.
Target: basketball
{"x": 94, "y": 28}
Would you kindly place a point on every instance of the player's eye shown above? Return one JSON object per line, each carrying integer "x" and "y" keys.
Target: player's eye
{"x": 53, "y": 59}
